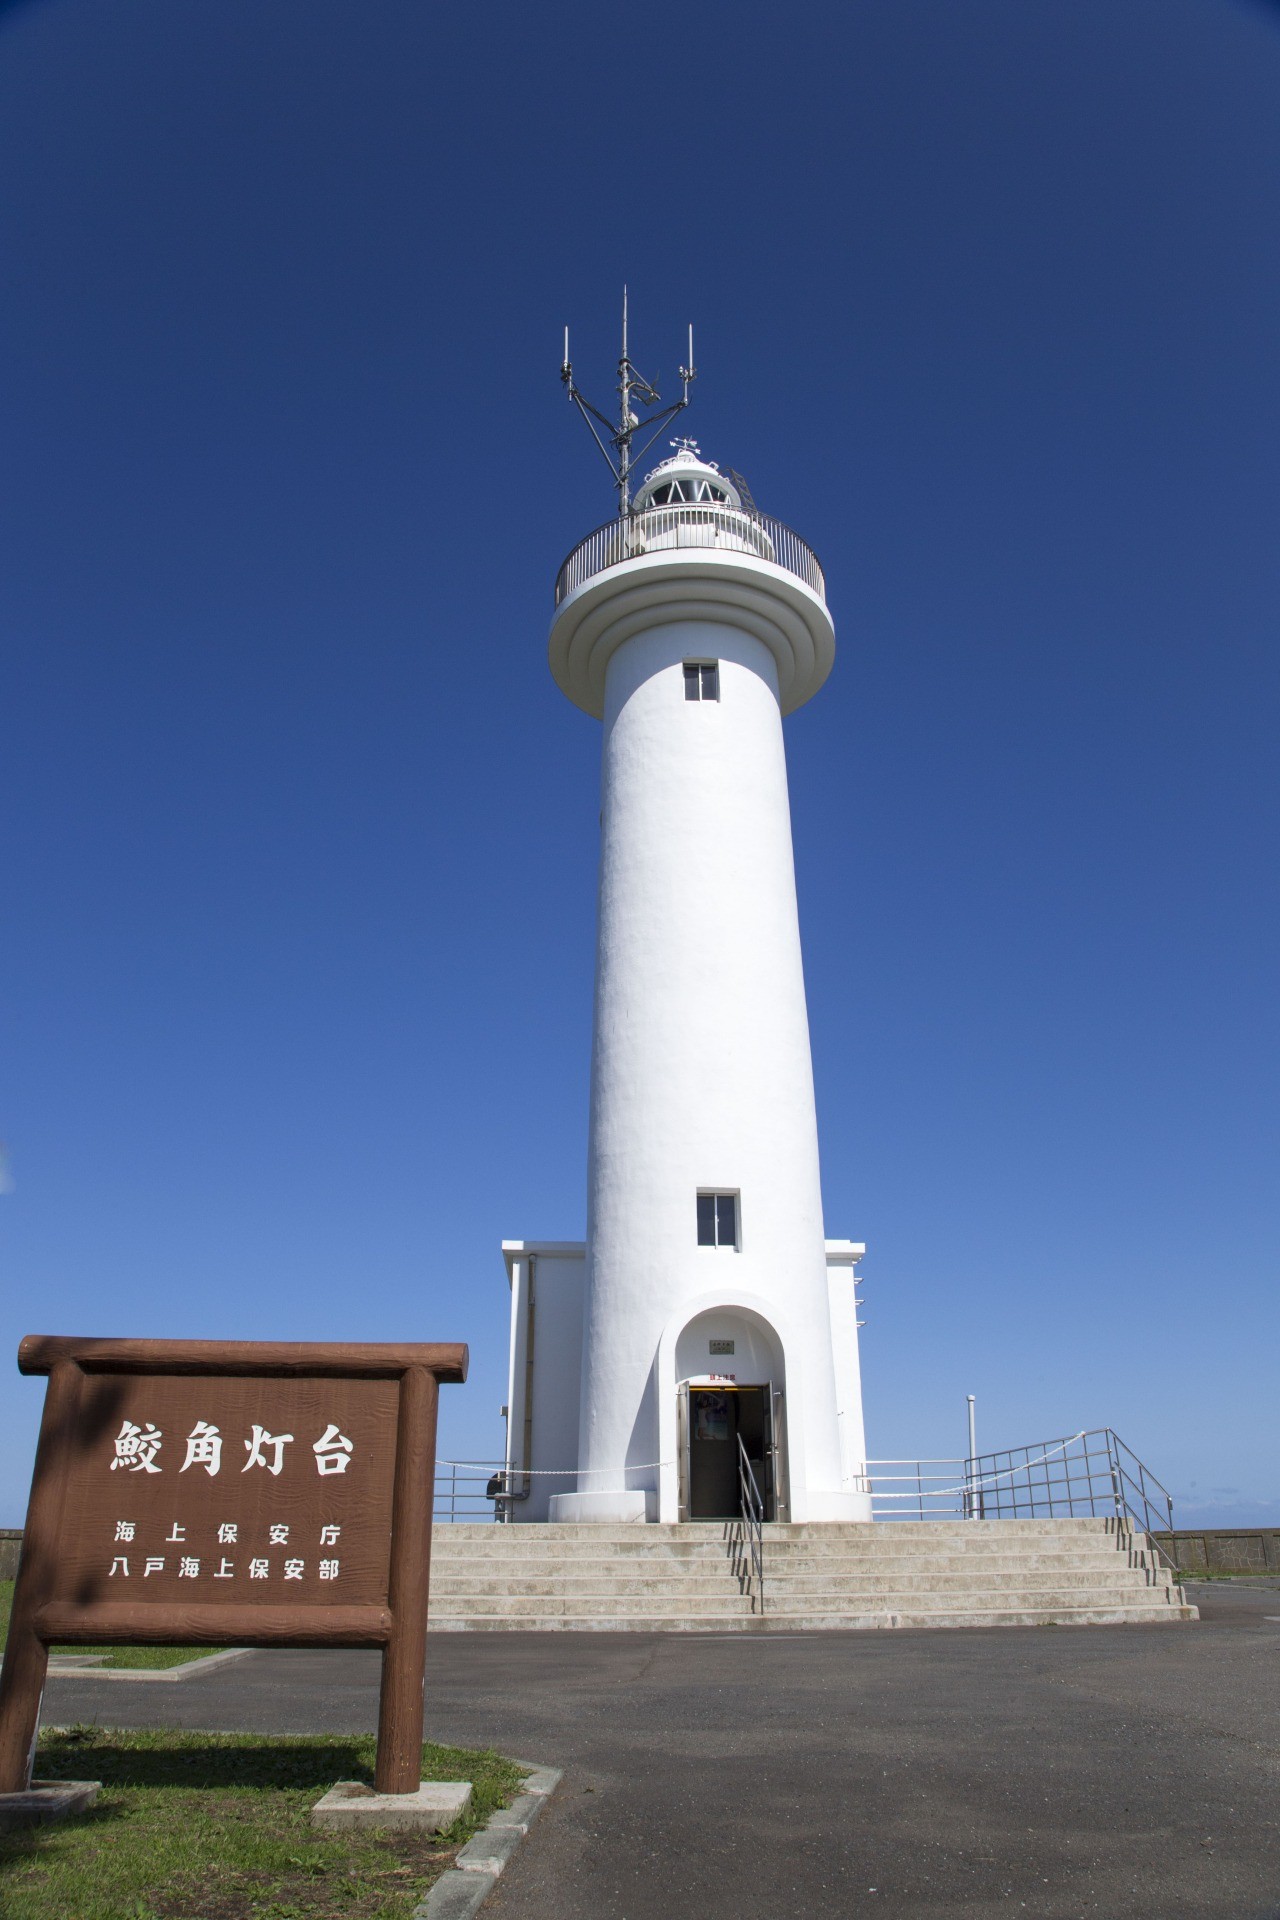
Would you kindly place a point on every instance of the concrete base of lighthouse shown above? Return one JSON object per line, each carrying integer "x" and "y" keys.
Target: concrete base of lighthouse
{"x": 603, "y": 1509}
{"x": 839, "y": 1506}
{"x": 636, "y": 1508}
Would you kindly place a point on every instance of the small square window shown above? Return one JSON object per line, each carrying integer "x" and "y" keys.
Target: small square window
{"x": 701, "y": 680}
{"x": 718, "y": 1220}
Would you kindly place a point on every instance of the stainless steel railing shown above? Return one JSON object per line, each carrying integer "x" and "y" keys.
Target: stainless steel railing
{"x": 471, "y": 1490}
{"x": 746, "y": 1534}
{"x": 658, "y": 529}
{"x": 1091, "y": 1473}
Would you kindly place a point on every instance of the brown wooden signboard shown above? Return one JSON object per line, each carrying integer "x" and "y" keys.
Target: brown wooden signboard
{"x": 202, "y": 1493}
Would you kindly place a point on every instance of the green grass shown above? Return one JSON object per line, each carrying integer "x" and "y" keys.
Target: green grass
{"x": 214, "y": 1826}
{"x": 140, "y": 1656}
{"x": 116, "y": 1656}
{"x": 1240, "y": 1573}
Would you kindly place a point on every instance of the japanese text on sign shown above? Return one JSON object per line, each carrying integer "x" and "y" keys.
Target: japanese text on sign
{"x": 137, "y": 1447}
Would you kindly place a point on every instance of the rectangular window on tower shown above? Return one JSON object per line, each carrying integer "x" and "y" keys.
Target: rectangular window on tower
{"x": 701, "y": 680}
{"x": 718, "y": 1220}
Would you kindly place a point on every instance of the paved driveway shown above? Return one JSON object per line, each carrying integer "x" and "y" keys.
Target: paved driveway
{"x": 1128, "y": 1771}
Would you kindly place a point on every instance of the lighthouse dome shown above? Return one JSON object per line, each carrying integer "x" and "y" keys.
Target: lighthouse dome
{"x": 686, "y": 480}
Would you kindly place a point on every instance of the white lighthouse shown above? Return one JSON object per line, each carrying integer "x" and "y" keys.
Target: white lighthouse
{"x": 704, "y": 1339}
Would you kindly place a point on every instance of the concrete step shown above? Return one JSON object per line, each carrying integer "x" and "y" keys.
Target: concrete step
{"x": 874, "y": 1549}
{"x": 1061, "y": 1573}
{"x": 595, "y": 1577}
{"x": 834, "y": 1622}
{"x": 731, "y": 1595}
{"x": 785, "y": 1553}
{"x": 624, "y": 1606}
{"x": 817, "y": 1577}
{"x": 835, "y": 1578}
{"x": 731, "y": 1600}
{"x": 1036, "y": 1597}
{"x": 688, "y": 1553}
{"x": 780, "y": 1529}
{"x": 513, "y": 1538}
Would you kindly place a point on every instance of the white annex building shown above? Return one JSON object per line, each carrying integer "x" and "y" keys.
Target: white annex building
{"x": 706, "y": 1325}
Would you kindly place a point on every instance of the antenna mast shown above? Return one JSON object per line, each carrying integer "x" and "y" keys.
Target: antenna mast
{"x": 615, "y": 444}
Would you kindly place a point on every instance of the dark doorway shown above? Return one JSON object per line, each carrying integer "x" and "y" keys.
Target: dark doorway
{"x": 718, "y": 1418}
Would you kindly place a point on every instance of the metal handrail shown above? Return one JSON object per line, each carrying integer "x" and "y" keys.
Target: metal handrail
{"x": 1141, "y": 1495}
{"x": 464, "y": 1490}
{"x": 751, "y": 1525}
{"x": 1093, "y": 1472}
{"x": 657, "y": 529}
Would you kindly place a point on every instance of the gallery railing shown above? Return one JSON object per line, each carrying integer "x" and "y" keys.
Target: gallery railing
{"x": 659, "y": 529}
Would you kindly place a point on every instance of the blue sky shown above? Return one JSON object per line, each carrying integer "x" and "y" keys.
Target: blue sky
{"x": 299, "y": 844}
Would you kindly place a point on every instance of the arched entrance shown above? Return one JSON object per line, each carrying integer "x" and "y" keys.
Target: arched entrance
{"x": 731, "y": 1403}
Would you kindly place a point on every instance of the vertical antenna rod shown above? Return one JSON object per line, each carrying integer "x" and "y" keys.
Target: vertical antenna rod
{"x": 616, "y": 443}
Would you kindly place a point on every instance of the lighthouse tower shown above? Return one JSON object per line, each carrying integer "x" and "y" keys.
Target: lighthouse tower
{"x": 705, "y": 1337}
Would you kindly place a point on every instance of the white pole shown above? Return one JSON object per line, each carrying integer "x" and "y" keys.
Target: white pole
{"x": 970, "y": 1502}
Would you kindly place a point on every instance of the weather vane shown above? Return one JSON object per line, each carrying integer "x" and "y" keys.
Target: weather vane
{"x": 615, "y": 444}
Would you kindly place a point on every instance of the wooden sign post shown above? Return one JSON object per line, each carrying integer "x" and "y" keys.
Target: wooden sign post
{"x": 210, "y": 1493}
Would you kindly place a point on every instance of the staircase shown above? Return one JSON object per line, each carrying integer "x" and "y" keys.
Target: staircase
{"x": 692, "y": 1578}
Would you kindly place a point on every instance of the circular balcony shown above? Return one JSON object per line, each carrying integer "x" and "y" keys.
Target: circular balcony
{"x": 661, "y": 529}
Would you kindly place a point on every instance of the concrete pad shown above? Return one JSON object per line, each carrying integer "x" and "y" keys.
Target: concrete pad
{"x": 46, "y": 1800}
{"x": 349, "y": 1804}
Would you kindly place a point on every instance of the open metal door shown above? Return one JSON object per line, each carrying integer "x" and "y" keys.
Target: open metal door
{"x": 778, "y": 1468}
{"x": 682, "y": 1448}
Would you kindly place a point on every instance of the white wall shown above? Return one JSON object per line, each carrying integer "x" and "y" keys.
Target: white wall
{"x": 842, "y": 1259}
{"x": 552, "y": 1272}
{"x": 701, "y": 1073}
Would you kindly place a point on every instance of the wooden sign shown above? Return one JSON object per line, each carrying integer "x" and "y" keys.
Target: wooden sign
{"x": 202, "y": 1493}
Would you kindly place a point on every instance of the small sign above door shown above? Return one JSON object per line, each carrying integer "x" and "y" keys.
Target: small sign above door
{"x": 721, "y": 1346}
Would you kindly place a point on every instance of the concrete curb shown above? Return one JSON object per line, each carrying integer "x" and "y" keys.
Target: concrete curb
{"x": 461, "y": 1891}
{"x": 207, "y": 1663}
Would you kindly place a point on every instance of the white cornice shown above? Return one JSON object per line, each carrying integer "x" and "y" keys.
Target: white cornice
{"x": 696, "y": 583}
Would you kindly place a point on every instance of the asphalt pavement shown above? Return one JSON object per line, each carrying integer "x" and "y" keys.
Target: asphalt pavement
{"x": 1056, "y": 1772}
